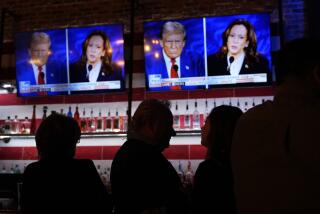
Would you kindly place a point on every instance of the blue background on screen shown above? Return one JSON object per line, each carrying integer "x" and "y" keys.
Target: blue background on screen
{"x": 76, "y": 36}
{"x": 194, "y": 43}
{"x": 215, "y": 26}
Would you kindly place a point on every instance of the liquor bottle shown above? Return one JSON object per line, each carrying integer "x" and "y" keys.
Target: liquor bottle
{"x": 92, "y": 122}
{"x": 25, "y": 126}
{"x": 116, "y": 125}
{"x": 206, "y": 110}
{"x": 109, "y": 122}
{"x": 44, "y": 109}
{"x": 187, "y": 122}
{"x": 108, "y": 183}
{"x": 15, "y": 125}
{"x": 214, "y": 103}
{"x": 189, "y": 175}
{"x": 11, "y": 169}
{"x": 196, "y": 117}
{"x": 176, "y": 118}
{"x": 3, "y": 170}
{"x": 69, "y": 114}
{"x": 99, "y": 169}
{"x": 122, "y": 121}
{"x": 253, "y": 103}
{"x": 61, "y": 111}
{"x": 33, "y": 125}
{"x": 7, "y": 125}
{"x": 238, "y": 103}
{"x": 83, "y": 122}
{"x": 76, "y": 116}
{"x": 100, "y": 122}
{"x": 125, "y": 126}
{"x": 181, "y": 173}
{"x": 17, "y": 169}
{"x": 230, "y": 103}
{"x": 245, "y": 106}
{"x": 104, "y": 177}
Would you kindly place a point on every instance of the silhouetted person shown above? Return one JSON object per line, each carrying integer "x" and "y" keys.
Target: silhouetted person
{"x": 213, "y": 182}
{"x": 142, "y": 179}
{"x": 276, "y": 148}
{"x": 58, "y": 183}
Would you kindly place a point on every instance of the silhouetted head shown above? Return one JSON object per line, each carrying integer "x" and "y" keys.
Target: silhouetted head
{"x": 299, "y": 59}
{"x": 57, "y": 137}
{"x": 152, "y": 122}
{"x": 218, "y": 130}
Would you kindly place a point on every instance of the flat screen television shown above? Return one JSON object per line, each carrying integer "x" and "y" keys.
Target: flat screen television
{"x": 80, "y": 60}
{"x": 208, "y": 52}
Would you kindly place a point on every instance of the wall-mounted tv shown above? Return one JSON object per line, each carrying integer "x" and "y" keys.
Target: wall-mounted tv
{"x": 70, "y": 61}
{"x": 208, "y": 52}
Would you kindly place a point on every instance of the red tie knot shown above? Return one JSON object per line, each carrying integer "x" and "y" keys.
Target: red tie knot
{"x": 40, "y": 68}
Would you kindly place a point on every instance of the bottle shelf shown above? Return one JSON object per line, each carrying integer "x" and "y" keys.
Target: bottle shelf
{"x": 7, "y": 137}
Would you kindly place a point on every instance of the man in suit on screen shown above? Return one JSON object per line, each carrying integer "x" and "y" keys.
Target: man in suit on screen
{"x": 38, "y": 69}
{"x": 174, "y": 61}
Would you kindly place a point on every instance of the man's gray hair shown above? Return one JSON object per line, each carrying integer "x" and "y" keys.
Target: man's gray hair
{"x": 40, "y": 37}
{"x": 149, "y": 112}
{"x": 170, "y": 27}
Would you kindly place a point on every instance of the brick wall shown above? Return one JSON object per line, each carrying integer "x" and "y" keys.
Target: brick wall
{"x": 43, "y": 14}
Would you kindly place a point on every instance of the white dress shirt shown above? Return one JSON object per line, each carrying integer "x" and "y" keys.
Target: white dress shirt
{"x": 168, "y": 64}
{"x": 236, "y": 65}
{"x": 94, "y": 73}
{"x": 36, "y": 72}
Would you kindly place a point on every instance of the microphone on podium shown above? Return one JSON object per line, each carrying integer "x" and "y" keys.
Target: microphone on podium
{"x": 231, "y": 59}
{"x": 175, "y": 67}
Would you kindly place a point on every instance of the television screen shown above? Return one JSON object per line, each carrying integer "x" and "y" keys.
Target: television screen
{"x": 174, "y": 54}
{"x": 70, "y": 61}
{"x": 208, "y": 52}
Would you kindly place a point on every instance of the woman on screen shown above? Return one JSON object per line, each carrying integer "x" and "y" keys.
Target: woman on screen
{"x": 238, "y": 54}
{"x": 95, "y": 63}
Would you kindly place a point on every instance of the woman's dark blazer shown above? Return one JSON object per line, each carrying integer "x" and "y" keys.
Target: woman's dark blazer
{"x": 78, "y": 73}
{"x": 218, "y": 65}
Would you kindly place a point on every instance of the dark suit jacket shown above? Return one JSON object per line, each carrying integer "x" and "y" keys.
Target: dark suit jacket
{"x": 217, "y": 65}
{"x": 55, "y": 73}
{"x": 142, "y": 178}
{"x": 78, "y": 73}
{"x": 70, "y": 186}
{"x": 191, "y": 65}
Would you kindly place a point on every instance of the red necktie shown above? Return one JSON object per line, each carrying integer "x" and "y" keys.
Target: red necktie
{"x": 174, "y": 73}
{"x": 41, "y": 80}
{"x": 40, "y": 76}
